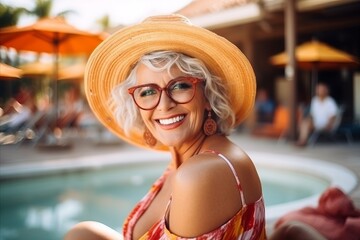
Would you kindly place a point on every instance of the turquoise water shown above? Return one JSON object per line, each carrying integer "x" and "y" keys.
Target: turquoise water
{"x": 45, "y": 207}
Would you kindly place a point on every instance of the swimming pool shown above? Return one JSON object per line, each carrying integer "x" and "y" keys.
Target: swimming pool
{"x": 304, "y": 175}
{"x": 46, "y": 206}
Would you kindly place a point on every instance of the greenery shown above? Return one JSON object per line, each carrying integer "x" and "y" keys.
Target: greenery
{"x": 9, "y": 16}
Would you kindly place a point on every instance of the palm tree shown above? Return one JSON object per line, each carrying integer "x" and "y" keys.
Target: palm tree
{"x": 9, "y": 16}
{"x": 104, "y": 22}
{"x": 43, "y": 9}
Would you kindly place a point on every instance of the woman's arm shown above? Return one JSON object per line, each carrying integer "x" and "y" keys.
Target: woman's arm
{"x": 90, "y": 230}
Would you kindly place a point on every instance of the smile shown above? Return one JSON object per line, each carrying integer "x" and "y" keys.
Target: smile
{"x": 173, "y": 120}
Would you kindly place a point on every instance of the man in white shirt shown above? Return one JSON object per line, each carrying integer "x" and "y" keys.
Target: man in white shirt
{"x": 323, "y": 112}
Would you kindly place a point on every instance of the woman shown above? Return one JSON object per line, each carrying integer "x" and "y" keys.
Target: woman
{"x": 179, "y": 88}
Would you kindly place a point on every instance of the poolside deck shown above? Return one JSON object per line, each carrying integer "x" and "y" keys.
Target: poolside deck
{"x": 25, "y": 160}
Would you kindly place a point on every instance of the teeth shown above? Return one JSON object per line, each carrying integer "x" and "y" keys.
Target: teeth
{"x": 171, "y": 120}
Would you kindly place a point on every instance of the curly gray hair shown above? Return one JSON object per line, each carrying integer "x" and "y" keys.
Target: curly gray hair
{"x": 127, "y": 113}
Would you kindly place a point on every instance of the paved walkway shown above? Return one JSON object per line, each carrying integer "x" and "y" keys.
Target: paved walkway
{"x": 26, "y": 160}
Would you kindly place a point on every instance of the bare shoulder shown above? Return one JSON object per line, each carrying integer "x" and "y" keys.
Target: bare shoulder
{"x": 244, "y": 167}
{"x": 205, "y": 193}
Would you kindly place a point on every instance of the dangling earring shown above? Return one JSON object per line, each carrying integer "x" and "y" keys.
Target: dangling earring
{"x": 210, "y": 125}
{"x": 149, "y": 138}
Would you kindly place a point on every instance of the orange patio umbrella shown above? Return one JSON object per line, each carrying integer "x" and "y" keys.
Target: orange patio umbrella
{"x": 315, "y": 55}
{"x": 37, "y": 68}
{"x": 51, "y": 35}
{"x": 73, "y": 72}
{"x": 8, "y": 72}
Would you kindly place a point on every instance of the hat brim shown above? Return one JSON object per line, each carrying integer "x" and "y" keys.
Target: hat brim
{"x": 112, "y": 61}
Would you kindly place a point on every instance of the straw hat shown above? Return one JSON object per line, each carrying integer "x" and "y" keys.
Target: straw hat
{"x": 112, "y": 61}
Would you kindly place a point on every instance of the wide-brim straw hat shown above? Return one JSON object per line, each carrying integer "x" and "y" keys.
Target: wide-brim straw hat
{"x": 112, "y": 61}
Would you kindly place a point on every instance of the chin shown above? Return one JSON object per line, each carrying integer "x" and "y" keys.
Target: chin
{"x": 171, "y": 141}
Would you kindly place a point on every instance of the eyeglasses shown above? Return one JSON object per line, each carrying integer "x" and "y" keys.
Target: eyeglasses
{"x": 180, "y": 90}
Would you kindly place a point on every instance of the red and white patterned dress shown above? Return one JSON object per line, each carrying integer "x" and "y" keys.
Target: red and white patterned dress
{"x": 248, "y": 223}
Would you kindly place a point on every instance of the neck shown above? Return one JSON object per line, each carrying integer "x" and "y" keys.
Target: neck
{"x": 186, "y": 151}
{"x": 322, "y": 98}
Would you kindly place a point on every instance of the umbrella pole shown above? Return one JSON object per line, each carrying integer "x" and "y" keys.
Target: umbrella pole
{"x": 50, "y": 130}
{"x": 314, "y": 80}
{"x": 55, "y": 79}
{"x": 54, "y": 114}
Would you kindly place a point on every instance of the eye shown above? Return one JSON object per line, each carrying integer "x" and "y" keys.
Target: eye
{"x": 147, "y": 91}
{"x": 181, "y": 85}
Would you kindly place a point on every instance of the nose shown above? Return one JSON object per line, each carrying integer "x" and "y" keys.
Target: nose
{"x": 165, "y": 102}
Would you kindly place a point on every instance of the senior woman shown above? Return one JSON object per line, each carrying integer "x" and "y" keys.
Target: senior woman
{"x": 165, "y": 84}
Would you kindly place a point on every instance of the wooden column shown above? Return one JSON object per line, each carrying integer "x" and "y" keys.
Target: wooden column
{"x": 290, "y": 69}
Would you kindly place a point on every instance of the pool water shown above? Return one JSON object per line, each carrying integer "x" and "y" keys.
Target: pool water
{"x": 281, "y": 186}
{"x": 45, "y": 207}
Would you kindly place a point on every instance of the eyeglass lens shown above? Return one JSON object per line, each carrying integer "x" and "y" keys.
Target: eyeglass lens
{"x": 180, "y": 90}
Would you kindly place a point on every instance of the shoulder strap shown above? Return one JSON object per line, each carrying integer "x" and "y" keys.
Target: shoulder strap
{"x": 234, "y": 173}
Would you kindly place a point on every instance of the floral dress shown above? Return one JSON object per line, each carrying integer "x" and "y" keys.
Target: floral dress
{"x": 248, "y": 223}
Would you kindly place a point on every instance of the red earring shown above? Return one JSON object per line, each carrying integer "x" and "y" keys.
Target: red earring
{"x": 210, "y": 125}
{"x": 149, "y": 138}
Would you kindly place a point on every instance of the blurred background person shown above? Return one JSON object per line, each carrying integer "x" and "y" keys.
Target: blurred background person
{"x": 18, "y": 110}
{"x": 70, "y": 109}
{"x": 262, "y": 113}
{"x": 323, "y": 110}
{"x": 264, "y": 107}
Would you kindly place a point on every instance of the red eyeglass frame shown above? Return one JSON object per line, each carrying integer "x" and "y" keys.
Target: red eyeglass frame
{"x": 194, "y": 81}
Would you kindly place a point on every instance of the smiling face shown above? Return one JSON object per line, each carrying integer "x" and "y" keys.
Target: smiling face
{"x": 173, "y": 124}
